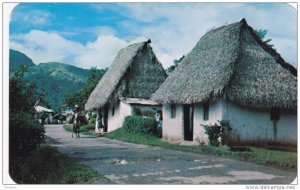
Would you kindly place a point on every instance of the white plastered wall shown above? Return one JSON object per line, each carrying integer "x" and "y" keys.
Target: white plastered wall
{"x": 255, "y": 125}
{"x": 247, "y": 124}
{"x": 215, "y": 115}
{"x": 173, "y": 127}
{"x": 115, "y": 121}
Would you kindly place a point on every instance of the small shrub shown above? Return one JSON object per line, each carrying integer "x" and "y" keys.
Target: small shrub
{"x": 213, "y": 132}
{"x": 216, "y": 133}
{"x": 140, "y": 125}
{"x": 92, "y": 115}
{"x": 92, "y": 121}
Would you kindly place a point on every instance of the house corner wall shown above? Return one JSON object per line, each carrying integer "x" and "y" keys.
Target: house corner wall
{"x": 252, "y": 126}
{"x": 115, "y": 121}
{"x": 172, "y": 128}
{"x": 216, "y": 114}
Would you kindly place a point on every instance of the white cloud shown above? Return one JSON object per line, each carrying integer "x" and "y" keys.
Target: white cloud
{"x": 32, "y": 16}
{"x": 174, "y": 29}
{"x": 101, "y": 30}
{"x": 101, "y": 52}
{"x": 42, "y": 47}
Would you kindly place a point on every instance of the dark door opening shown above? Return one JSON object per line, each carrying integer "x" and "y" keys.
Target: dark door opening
{"x": 105, "y": 118}
{"x": 188, "y": 118}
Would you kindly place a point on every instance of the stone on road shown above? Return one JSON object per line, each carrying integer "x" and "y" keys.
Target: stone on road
{"x": 129, "y": 163}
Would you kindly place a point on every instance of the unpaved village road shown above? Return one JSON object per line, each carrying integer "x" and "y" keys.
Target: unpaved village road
{"x": 128, "y": 163}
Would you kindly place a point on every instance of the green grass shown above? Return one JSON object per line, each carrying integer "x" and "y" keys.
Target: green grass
{"x": 46, "y": 165}
{"x": 274, "y": 158}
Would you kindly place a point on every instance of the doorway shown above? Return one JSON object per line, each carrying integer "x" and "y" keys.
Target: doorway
{"x": 188, "y": 122}
{"x": 105, "y": 119}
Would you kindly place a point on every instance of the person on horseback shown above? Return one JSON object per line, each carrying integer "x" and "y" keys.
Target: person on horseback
{"x": 76, "y": 121}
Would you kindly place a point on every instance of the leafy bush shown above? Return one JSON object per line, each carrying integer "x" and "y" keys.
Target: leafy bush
{"x": 216, "y": 132}
{"x": 25, "y": 134}
{"x": 22, "y": 93}
{"x": 140, "y": 125}
{"x": 213, "y": 132}
{"x": 92, "y": 121}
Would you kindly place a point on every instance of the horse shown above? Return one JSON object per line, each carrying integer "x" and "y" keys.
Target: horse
{"x": 76, "y": 125}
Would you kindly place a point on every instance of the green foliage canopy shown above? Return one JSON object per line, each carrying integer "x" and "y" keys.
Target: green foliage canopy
{"x": 25, "y": 133}
{"x": 140, "y": 125}
{"x": 22, "y": 94}
{"x": 81, "y": 96}
{"x": 176, "y": 62}
{"x": 262, "y": 34}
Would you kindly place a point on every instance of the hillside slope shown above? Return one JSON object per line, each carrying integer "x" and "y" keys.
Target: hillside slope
{"x": 52, "y": 79}
{"x": 16, "y": 59}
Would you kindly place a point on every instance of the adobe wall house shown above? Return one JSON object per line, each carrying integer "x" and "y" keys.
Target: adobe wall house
{"x": 231, "y": 75}
{"x": 133, "y": 77}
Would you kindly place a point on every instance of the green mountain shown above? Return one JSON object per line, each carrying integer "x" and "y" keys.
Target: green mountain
{"x": 16, "y": 59}
{"x": 53, "y": 79}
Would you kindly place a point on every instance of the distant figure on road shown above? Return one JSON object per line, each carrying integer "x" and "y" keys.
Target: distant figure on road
{"x": 76, "y": 121}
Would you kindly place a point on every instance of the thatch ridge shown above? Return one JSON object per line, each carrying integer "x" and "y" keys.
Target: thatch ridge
{"x": 272, "y": 51}
{"x": 184, "y": 84}
{"x": 116, "y": 82}
{"x": 231, "y": 62}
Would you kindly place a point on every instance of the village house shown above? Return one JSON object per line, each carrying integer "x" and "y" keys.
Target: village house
{"x": 231, "y": 75}
{"x": 133, "y": 77}
{"x": 42, "y": 113}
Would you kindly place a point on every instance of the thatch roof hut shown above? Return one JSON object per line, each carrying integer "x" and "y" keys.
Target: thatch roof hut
{"x": 134, "y": 73}
{"x": 233, "y": 63}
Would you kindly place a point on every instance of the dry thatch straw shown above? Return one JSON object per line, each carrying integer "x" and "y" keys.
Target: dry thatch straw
{"x": 231, "y": 62}
{"x": 134, "y": 73}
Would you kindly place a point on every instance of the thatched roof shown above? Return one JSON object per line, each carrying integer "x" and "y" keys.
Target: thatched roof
{"x": 134, "y": 73}
{"x": 232, "y": 62}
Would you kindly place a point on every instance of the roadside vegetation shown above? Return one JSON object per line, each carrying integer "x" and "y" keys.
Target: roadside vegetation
{"x": 45, "y": 165}
{"x": 81, "y": 96}
{"x": 30, "y": 160}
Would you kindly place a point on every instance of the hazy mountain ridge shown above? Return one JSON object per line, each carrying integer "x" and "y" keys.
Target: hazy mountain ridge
{"x": 16, "y": 59}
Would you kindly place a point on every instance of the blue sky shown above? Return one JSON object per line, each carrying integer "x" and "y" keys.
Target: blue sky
{"x": 87, "y": 35}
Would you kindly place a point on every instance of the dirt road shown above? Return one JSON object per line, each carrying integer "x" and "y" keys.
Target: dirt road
{"x": 128, "y": 163}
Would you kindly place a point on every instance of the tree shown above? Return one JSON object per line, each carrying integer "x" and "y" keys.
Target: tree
{"x": 262, "y": 34}
{"x": 176, "y": 62}
{"x": 22, "y": 93}
{"x": 81, "y": 96}
{"x": 25, "y": 133}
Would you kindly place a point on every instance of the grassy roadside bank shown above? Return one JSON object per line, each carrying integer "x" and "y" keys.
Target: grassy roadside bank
{"x": 46, "y": 165}
{"x": 274, "y": 158}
